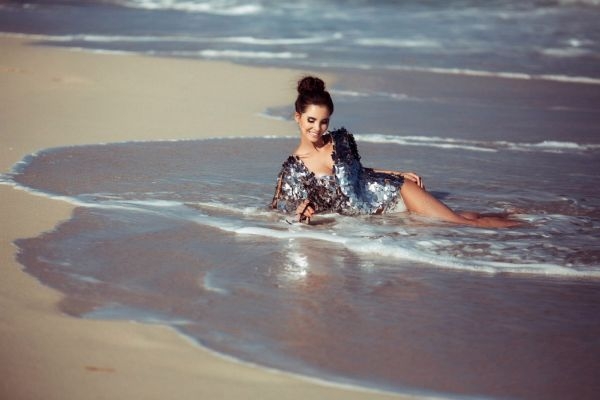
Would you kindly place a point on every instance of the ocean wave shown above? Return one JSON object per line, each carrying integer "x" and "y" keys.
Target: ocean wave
{"x": 546, "y": 146}
{"x": 217, "y": 7}
{"x": 400, "y": 43}
{"x": 251, "y": 40}
{"x": 568, "y": 79}
{"x": 356, "y": 94}
{"x": 444, "y": 143}
{"x": 572, "y": 50}
{"x": 457, "y": 71}
{"x": 210, "y": 53}
{"x": 103, "y": 51}
{"x": 566, "y": 52}
{"x": 595, "y": 3}
{"x": 348, "y": 93}
{"x": 95, "y": 38}
{"x": 491, "y": 74}
{"x": 278, "y": 41}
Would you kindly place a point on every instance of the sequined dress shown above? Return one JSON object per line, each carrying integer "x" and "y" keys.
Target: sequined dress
{"x": 351, "y": 190}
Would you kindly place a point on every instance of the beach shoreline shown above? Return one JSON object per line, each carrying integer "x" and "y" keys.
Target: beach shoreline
{"x": 57, "y": 97}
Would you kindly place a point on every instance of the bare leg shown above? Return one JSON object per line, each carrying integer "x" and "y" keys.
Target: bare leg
{"x": 421, "y": 202}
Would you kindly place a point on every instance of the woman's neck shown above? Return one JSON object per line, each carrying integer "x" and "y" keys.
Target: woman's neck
{"x": 308, "y": 147}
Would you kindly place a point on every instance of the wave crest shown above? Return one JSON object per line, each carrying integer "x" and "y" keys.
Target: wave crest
{"x": 210, "y": 7}
{"x": 547, "y": 146}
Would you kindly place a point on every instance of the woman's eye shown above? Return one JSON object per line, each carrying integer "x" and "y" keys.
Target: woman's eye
{"x": 311, "y": 120}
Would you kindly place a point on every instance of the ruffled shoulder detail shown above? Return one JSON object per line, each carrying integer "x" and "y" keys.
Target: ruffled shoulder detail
{"x": 292, "y": 163}
{"x": 344, "y": 146}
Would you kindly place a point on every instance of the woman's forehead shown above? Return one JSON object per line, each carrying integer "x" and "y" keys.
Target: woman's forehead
{"x": 317, "y": 111}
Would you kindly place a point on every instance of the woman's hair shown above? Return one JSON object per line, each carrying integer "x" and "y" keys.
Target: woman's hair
{"x": 311, "y": 91}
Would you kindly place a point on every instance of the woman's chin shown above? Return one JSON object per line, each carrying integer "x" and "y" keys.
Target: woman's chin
{"x": 313, "y": 138}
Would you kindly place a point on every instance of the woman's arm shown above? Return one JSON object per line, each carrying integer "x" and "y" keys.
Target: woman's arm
{"x": 411, "y": 176}
{"x": 293, "y": 191}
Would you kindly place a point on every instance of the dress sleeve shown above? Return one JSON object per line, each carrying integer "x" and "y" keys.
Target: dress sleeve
{"x": 292, "y": 186}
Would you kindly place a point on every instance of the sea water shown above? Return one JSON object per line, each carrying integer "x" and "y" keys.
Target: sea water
{"x": 550, "y": 39}
{"x": 180, "y": 233}
{"x": 495, "y": 104}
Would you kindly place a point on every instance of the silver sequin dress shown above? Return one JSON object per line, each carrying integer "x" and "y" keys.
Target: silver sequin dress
{"x": 351, "y": 190}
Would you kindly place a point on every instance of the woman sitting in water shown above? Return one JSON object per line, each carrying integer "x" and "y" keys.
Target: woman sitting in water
{"x": 325, "y": 173}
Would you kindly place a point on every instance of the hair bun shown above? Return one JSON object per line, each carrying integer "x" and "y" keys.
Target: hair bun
{"x": 310, "y": 84}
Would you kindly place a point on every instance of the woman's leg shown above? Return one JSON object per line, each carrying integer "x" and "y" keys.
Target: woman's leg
{"x": 421, "y": 202}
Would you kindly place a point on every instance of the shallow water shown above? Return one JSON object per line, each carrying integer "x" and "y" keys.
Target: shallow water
{"x": 180, "y": 233}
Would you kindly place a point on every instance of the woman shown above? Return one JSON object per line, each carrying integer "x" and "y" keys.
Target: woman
{"x": 324, "y": 174}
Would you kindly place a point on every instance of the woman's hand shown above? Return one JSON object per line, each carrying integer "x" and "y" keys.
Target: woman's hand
{"x": 305, "y": 211}
{"x": 411, "y": 176}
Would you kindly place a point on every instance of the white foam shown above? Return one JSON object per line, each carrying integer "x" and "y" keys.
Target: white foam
{"x": 98, "y": 39}
{"x": 566, "y": 52}
{"x": 399, "y": 43}
{"x": 387, "y": 248}
{"x": 209, "y": 7}
{"x": 548, "y": 146}
{"x": 274, "y": 41}
{"x": 232, "y": 209}
{"x": 172, "y": 38}
{"x": 356, "y": 94}
{"x": 66, "y": 199}
{"x": 462, "y": 71}
{"x": 211, "y": 53}
{"x": 402, "y": 251}
{"x": 207, "y": 53}
{"x": 349, "y": 93}
{"x": 445, "y": 143}
{"x": 152, "y": 203}
{"x": 579, "y": 2}
{"x": 569, "y": 79}
{"x": 500, "y": 74}
{"x": 102, "y": 51}
{"x": 573, "y": 51}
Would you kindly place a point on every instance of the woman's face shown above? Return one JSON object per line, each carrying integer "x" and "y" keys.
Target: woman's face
{"x": 313, "y": 122}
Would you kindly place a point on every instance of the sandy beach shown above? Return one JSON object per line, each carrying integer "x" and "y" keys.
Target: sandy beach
{"x": 54, "y": 97}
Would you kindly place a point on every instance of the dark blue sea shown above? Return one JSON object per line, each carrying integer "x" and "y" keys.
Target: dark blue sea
{"x": 495, "y": 103}
{"x": 546, "y": 39}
